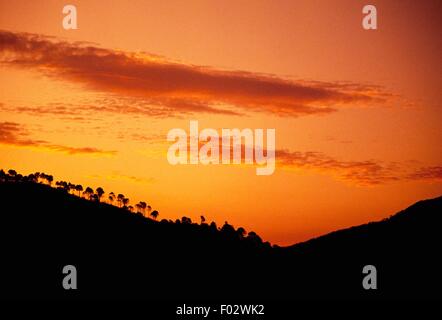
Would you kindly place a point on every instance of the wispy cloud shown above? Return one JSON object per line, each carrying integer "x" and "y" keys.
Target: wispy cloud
{"x": 169, "y": 88}
{"x": 432, "y": 173}
{"x": 14, "y": 134}
{"x": 369, "y": 172}
{"x": 364, "y": 173}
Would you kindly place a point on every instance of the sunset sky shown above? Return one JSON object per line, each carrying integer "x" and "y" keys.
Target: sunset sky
{"x": 357, "y": 112}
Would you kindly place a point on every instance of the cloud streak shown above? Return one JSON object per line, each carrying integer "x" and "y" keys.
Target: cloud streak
{"x": 360, "y": 173}
{"x": 14, "y": 134}
{"x": 431, "y": 173}
{"x": 363, "y": 173}
{"x": 175, "y": 87}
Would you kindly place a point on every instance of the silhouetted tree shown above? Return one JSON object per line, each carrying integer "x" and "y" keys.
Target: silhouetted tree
{"x": 186, "y": 220}
{"x": 88, "y": 192}
{"x": 254, "y": 238}
{"x": 44, "y": 177}
{"x": 111, "y": 197}
{"x": 228, "y": 229}
{"x": 99, "y": 193}
{"x": 203, "y": 219}
{"x": 155, "y": 214}
{"x": 71, "y": 186}
{"x": 241, "y": 232}
{"x": 120, "y": 198}
{"x": 213, "y": 226}
{"x": 143, "y": 206}
{"x": 79, "y": 188}
{"x": 49, "y": 179}
{"x": 12, "y": 173}
{"x": 125, "y": 202}
{"x": 62, "y": 185}
{"x": 31, "y": 178}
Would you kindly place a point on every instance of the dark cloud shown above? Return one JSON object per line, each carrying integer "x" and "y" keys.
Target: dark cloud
{"x": 174, "y": 87}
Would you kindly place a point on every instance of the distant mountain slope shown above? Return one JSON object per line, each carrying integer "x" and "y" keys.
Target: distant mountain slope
{"x": 121, "y": 255}
{"x": 423, "y": 218}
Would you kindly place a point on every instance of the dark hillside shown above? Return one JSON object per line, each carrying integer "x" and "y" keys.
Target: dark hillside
{"x": 119, "y": 254}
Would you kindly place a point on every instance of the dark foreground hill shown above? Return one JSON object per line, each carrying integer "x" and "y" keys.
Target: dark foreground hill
{"x": 120, "y": 255}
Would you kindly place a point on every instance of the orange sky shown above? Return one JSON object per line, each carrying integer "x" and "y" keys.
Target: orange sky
{"x": 356, "y": 112}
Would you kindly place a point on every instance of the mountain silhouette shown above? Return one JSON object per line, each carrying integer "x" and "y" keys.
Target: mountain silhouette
{"x": 119, "y": 254}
